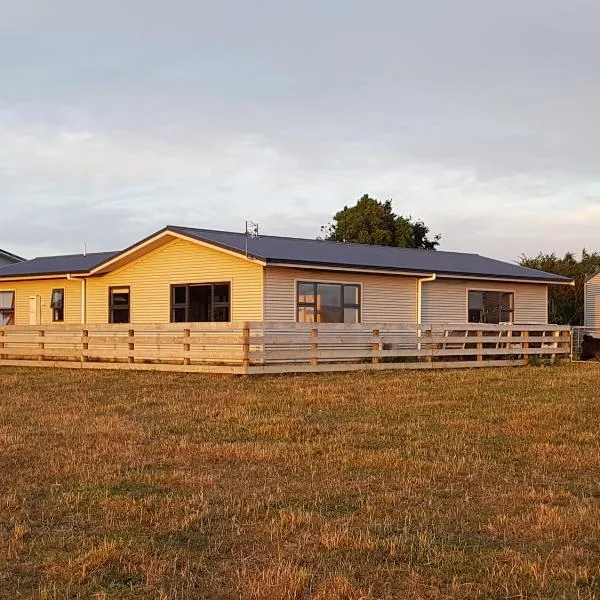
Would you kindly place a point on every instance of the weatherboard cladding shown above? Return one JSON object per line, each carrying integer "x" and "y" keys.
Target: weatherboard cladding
{"x": 445, "y": 300}
{"x": 383, "y": 297}
{"x": 296, "y": 251}
{"x": 592, "y": 301}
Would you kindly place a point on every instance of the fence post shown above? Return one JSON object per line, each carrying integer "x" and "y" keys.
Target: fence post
{"x": 480, "y": 345}
{"x": 525, "y": 334}
{"x": 555, "y": 334}
{"x": 186, "y": 346}
{"x": 246, "y": 348}
{"x": 1, "y": 344}
{"x": 131, "y": 345}
{"x": 41, "y": 333}
{"x": 314, "y": 347}
{"x": 428, "y": 347}
{"x": 85, "y": 334}
{"x": 376, "y": 345}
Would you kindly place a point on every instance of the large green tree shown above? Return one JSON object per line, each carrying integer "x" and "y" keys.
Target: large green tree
{"x": 370, "y": 221}
{"x": 566, "y": 303}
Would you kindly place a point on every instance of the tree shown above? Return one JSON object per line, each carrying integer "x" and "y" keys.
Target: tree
{"x": 373, "y": 222}
{"x": 566, "y": 303}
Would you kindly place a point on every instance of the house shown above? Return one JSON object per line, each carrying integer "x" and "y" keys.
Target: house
{"x": 181, "y": 274}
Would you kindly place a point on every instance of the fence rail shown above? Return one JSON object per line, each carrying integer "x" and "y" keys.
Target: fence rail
{"x": 277, "y": 347}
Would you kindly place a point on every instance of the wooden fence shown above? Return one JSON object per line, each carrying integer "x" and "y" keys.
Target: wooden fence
{"x": 277, "y": 347}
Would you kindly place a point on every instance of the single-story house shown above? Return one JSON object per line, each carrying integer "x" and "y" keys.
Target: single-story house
{"x": 180, "y": 274}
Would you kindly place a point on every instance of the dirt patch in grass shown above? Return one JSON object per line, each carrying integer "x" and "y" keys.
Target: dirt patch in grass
{"x": 353, "y": 486}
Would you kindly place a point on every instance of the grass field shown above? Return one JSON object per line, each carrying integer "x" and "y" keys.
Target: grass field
{"x": 353, "y": 486}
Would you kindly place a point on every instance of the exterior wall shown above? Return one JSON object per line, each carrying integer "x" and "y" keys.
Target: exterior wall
{"x": 592, "y": 302}
{"x": 43, "y": 288}
{"x": 384, "y": 298}
{"x": 445, "y": 300}
{"x": 179, "y": 261}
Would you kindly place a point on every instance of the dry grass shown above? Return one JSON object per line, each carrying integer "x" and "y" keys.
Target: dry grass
{"x": 353, "y": 486}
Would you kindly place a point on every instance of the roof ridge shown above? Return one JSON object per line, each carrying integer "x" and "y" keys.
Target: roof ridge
{"x": 301, "y": 239}
{"x": 73, "y": 255}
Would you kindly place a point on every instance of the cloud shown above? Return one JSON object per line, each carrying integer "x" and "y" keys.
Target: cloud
{"x": 119, "y": 117}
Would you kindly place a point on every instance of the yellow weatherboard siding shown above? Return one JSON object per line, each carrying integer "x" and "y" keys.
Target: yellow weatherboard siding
{"x": 177, "y": 262}
{"x": 43, "y": 288}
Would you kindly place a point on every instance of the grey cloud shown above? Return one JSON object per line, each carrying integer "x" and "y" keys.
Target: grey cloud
{"x": 121, "y": 116}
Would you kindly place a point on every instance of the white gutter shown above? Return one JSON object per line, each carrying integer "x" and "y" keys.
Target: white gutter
{"x": 420, "y": 283}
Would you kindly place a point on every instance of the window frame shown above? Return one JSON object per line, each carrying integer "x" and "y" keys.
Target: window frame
{"x": 13, "y": 310}
{"x": 186, "y": 305}
{"x": 58, "y": 313}
{"x": 317, "y": 282}
{"x": 512, "y": 293}
{"x": 112, "y": 306}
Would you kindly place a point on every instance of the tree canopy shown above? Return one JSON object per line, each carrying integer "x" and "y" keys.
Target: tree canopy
{"x": 566, "y": 303}
{"x": 370, "y": 221}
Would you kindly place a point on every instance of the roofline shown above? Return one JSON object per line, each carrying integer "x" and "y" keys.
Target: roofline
{"x": 179, "y": 232}
{"x": 516, "y": 279}
{"x": 414, "y": 273}
{"x": 10, "y": 255}
{"x": 358, "y": 269}
{"x": 592, "y": 275}
{"x": 25, "y": 277}
{"x": 175, "y": 233}
{"x": 251, "y": 255}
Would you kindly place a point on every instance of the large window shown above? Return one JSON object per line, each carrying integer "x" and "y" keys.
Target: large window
{"x": 119, "y": 305}
{"x": 202, "y": 302}
{"x": 57, "y": 304}
{"x": 7, "y": 308}
{"x": 491, "y": 307}
{"x": 328, "y": 302}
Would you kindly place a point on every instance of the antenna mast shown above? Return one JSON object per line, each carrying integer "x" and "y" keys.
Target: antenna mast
{"x": 251, "y": 232}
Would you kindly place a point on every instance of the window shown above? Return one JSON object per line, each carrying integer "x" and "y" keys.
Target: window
{"x": 328, "y": 302}
{"x": 119, "y": 304}
{"x": 491, "y": 307}
{"x": 57, "y": 304}
{"x": 7, "y": 308}
{"x": 200, "y": 302}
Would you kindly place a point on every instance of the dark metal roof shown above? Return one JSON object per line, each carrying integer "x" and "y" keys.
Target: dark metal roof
{"x": 12, "y": 257}
{"x": 274, "y": 249}
{"x": 287, "y": 250}
{"x": 53, "y": 265}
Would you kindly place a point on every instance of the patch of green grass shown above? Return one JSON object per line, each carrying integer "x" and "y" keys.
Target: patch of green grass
{"x": 474, "y": 484}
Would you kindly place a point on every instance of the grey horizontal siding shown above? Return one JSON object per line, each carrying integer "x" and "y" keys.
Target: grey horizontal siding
{"x": 592, "y": 302}
{"x": 445, "y": 300}
{"x": 388, "y": 298}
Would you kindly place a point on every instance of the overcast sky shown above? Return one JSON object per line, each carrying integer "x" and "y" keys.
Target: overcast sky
{"x": 119, "y": 117}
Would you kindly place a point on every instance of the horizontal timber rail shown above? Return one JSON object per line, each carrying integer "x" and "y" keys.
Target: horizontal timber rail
{"x": 279, "y": 347}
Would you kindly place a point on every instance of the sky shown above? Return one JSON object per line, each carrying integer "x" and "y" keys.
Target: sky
{"x": 119, "y": 117}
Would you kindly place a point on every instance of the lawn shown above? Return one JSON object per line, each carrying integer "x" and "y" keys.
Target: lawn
{"x": 479, "y": 484}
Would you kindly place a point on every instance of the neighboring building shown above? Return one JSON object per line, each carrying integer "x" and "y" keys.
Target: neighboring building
{"x": 7, "y": 299}
{"x": 181, "y": 274}
{"x": 592, "y": 301}
{"x": 7, "y": 258}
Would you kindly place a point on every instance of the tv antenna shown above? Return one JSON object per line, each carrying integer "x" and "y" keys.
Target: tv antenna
{"x": 251, "y": 233}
